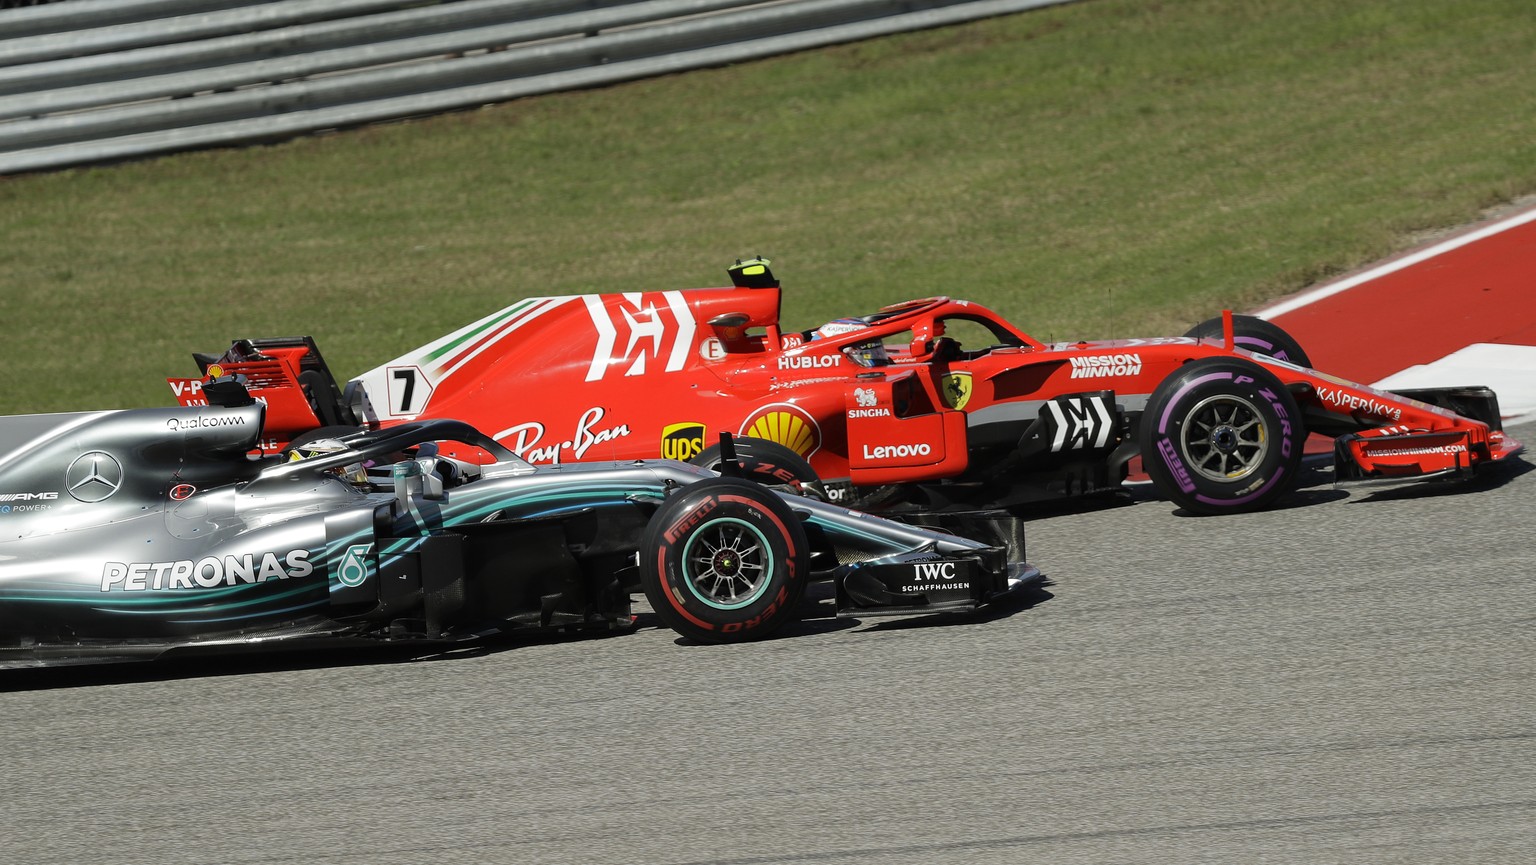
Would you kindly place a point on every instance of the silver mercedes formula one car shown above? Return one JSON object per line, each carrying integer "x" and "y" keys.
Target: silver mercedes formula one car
{"x": 131, "y": 534}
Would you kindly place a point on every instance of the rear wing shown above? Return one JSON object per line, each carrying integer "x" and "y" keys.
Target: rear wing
{"x": 287, "y": 373}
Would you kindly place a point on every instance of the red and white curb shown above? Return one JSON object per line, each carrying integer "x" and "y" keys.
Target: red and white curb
{"x": 1458, "y": 312}
{"x": 1509, "y": 369}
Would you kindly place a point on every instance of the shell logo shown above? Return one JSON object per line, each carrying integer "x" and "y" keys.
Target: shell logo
{"x": 784, "y": 424}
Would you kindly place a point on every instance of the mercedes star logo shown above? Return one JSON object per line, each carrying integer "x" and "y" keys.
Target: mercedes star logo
{"x": 93, "y": 476}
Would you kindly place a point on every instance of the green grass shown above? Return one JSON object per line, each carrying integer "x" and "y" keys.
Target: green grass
{"x": 1107, "y": 168}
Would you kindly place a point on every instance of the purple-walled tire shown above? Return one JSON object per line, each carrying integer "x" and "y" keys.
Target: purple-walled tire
{"x": 1222, "y": 435}
{"x": 1255, "y": 335}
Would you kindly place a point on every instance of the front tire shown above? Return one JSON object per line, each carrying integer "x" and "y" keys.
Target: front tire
{"x": 724, "y": 561}
{"x": 1222, "y": 435}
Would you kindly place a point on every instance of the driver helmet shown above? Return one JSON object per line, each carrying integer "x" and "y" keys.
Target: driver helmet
{"x": 838, "y": 328}
{"x": 354, "y": 473}
{"x": 867, "y": 354}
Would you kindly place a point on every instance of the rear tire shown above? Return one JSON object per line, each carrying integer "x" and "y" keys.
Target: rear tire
{"x": 1222, "y": 435}
{"x": 724, "y": 561}
{"x": 1255, "y": 335}
{"x": 768, "y": 463}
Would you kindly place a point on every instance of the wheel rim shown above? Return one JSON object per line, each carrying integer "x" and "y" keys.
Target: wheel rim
{"x": 727, "y": 563}
{"x": 1224, "y": 438}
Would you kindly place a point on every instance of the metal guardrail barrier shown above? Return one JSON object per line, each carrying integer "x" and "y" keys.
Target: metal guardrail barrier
{"x": 227, "y": 74}
{"x": 352, "y": 44}
{"x": 31, "y": 19}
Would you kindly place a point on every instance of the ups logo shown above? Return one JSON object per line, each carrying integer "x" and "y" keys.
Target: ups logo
{"x": 682, "y": 441}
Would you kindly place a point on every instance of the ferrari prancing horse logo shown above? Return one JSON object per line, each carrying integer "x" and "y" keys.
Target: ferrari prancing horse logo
{"x": 956, "y": 389}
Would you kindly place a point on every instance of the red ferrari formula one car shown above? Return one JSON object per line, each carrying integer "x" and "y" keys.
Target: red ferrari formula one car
{"x": 926, "y": 406}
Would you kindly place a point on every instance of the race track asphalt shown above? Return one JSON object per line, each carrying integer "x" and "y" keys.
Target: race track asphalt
{"x": 1347, "y": 679}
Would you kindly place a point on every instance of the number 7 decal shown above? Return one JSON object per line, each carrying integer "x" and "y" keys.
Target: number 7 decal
{"x": 409, "y": 390}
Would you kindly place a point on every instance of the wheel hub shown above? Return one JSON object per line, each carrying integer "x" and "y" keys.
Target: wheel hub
{"x": 1224, "y": 439}
{"x": 729, "y": 563}
{"x": 726, "y": 563}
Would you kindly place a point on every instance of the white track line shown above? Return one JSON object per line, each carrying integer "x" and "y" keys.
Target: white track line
{"x": 1309, "y": 297}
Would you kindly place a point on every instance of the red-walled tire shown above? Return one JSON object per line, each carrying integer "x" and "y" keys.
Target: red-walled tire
{"x": 1255, "y": 335}
{"x": 768, "y": 463}
{"x": 1222, "y": 435}
{"x": 724, "y": 561}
